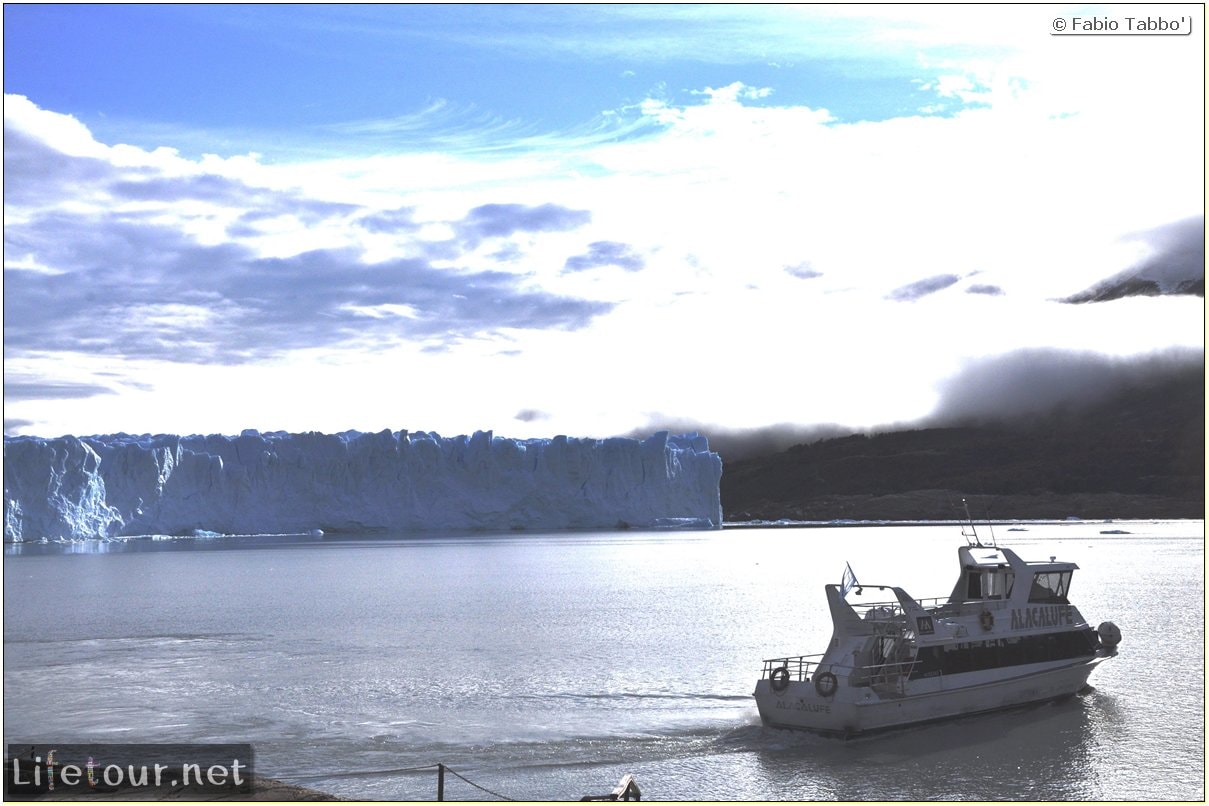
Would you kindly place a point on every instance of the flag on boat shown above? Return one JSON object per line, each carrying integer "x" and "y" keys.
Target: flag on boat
{"x": 848, "y": 582}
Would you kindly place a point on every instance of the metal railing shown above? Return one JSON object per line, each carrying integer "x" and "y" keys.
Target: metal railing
{"x": 892, "y": 610}
{"x": 939, "y": 606}
{"x": 882, "y": 676}
{"x": 799, "y": 666}
{"x": 889, "y": 676}
{"x": 878, "y": 611}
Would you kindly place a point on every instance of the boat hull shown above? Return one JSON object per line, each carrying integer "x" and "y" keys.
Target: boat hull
{"x": 855, "y": 710}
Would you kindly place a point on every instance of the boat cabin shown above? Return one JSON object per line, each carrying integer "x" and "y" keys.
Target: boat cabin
{"x": 1006, "y": 635}
{"x": 989, "y": 574}
{"x": 1003, "y": 612}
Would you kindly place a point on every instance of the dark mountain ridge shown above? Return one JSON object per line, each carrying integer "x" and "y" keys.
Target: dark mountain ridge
{"x": 1176, "y": 266}
{"x": 1138, "y": 454}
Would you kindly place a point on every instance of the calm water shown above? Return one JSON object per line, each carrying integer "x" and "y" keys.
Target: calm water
{"x": 548, "y": 666}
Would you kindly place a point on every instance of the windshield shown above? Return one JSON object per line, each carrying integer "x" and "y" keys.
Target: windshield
{"x": 1050, "y": 586}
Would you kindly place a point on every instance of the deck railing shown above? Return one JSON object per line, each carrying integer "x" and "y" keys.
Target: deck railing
{"x": 878, "y": 675}
{"x": 887, "y": 677}
{"x": 940, "y": 606}
{"x": 894, "y": 608}
{"x": 799, "y": 666}
{"x": 877, "y": 611}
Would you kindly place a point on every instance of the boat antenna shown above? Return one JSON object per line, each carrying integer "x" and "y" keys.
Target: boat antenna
{"x": 991, "y": 526}
{"x": 971, "y": 535}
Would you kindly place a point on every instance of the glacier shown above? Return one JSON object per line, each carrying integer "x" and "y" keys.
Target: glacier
{"x": 119, "y": 485}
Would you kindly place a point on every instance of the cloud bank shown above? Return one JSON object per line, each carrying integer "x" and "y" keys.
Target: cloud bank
{"x": 1174, "y": 263}
{"x": 724, "y": 254}
{"x": 922, "y": 288}
{"x": 1031, "y": 383}
{"x": 114, "y": 251}
{"x": 606, "y": 253}
{"x": 999, "y": 389}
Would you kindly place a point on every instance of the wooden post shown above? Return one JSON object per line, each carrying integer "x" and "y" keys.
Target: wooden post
{"x": 440, "y": 782}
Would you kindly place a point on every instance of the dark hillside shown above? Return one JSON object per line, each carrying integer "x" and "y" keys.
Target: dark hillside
{"x": 1140, "y": 454}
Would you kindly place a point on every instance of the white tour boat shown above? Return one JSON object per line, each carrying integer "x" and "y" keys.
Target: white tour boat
{"x": 1005, "y": 636}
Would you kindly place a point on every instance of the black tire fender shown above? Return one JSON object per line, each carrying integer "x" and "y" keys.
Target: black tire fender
{"x": 778, "y": 680}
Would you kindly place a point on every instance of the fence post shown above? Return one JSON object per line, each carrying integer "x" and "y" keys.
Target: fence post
{"x": 440, "y": 782}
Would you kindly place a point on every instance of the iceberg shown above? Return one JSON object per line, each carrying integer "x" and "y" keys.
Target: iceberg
{"x": 119, "y": 485}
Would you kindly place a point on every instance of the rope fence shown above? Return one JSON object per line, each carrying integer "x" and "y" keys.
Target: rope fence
{"x": 625, "y": 791}
{"x": 472, "y": 783}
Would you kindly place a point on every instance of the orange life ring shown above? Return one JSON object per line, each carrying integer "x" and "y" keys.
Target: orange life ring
{"x": 825, "y": 684}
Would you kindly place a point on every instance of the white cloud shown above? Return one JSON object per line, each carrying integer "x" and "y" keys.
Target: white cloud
{"x": 430, "y": 289}
{"x": 59, "y": 132}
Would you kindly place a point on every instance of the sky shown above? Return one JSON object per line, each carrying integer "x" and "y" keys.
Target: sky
{"x": 586, "y": 220}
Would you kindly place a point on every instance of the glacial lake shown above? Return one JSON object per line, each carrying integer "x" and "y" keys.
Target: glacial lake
{"x": 547, "y": 666}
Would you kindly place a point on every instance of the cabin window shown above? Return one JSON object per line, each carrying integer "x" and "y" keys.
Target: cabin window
{"x": 1050, "y": 587}
{"x": 999, "y": 584}
{"x": 1001, "y": 653}
{"x": 973, "y": 585}
{"x": 995, "y": 584}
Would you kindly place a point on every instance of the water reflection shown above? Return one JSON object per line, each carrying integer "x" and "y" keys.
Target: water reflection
{"x": 1041, "y": 752}
{"x": 547, "y": 666}
{"x": 127, "y": 545}
{"x": 216, "y": 542}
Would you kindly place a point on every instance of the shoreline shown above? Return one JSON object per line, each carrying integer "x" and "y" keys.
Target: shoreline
{"x": 264, "y": 789}
{"x": 727, "y": 525}
{"x": 787, "y": 523}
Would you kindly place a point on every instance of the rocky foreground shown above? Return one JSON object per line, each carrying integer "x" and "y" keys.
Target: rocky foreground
{"x": 263, "y": 790}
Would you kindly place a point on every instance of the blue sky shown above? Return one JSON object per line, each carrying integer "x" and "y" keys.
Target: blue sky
{"x": 241, "y": 73}
{"x": 577, "y": 219}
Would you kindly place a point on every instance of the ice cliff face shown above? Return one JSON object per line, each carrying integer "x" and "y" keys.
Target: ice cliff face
{"x": 97, "y": 487}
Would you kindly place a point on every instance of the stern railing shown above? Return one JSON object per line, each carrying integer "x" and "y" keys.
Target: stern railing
{"x": 799, "y": 666}
{"x": 881, "y": 676}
